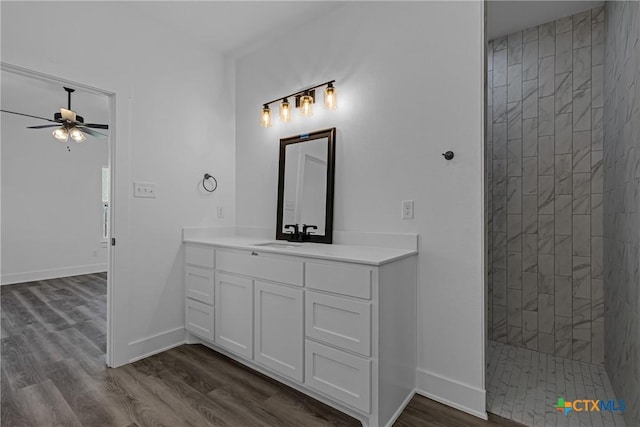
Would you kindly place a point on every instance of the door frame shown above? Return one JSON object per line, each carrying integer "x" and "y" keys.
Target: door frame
{"x": 111, "y": 97}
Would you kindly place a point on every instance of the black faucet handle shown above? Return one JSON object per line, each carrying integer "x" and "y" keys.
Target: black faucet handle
{"x": 296, "y": 231}
{"x": 306, "y": 227}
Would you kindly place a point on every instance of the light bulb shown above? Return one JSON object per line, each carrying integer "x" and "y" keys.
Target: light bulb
{"x": 265, "y": 117}
{"x": 330, "y": 97}
{"x": 285, "y": 111}
{"x": 61, "y": 134}
{"x": 77, "y": 135}
{"x": 306, "y": 105}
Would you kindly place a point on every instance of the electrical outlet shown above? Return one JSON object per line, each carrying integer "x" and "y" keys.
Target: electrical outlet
{"x": 144, "y": 189}
{"x": 407, "y": 209}
{"x": 220, "y": 212}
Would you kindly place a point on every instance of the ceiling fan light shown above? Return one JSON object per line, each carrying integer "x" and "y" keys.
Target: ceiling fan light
{"x": 77, "y": 135}
{"x": 61, "y": 134}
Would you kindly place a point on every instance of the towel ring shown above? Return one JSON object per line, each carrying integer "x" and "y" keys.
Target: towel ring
{"x": 204, "y": 183}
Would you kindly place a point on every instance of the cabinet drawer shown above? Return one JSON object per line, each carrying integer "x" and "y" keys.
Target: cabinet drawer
{"x": 339, "y": 321}
{"x": 199, "y": 255}
{"x": 339, "y": 278}
{"x": 342, "y": 376}
{"x": 261, "y": 266}
{"x": 199, "y": 284}
{"x": 199, "y": 318}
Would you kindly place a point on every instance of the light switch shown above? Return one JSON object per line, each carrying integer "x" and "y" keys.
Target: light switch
{"x": 144, "y": 189}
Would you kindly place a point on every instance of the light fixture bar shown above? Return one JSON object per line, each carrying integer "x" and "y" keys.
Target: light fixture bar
{"x": 300, "y": 92}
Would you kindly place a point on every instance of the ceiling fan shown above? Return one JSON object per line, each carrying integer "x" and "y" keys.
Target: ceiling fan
{"x": 67, "y": 123}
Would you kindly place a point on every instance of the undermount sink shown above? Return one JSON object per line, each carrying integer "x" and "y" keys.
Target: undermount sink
{"x": 280, "y": 245}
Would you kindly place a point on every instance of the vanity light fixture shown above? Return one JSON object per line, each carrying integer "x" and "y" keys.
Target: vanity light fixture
{"x": 304, "y": 100}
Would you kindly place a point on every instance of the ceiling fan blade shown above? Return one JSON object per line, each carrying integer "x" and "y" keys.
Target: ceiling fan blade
{"x": 28, "y": 115}
{"x": 42, "y": 126}
{"x": 94, "y": 125}
{"x": 91, "y": 132}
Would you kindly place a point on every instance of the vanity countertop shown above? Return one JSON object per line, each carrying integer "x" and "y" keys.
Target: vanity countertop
{"x": 358, "y": 254}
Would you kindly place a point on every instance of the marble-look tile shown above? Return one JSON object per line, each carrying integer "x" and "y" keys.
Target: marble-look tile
{"x": 582, "y": 152}
{"x": 545, "y": 194}
{"x": 489, "y": 56}
{"x": 582, "y": 332}
{"x": 581, "y": 315}
{"x": 582, "y": 29}
{"x": 499, "y": 140}
{"x": 564, "y": 53}
{"x": 563, "y": 215}
{"x": 546, "y": 76}
{"x": 582, "y": 109}
{"x": 563, "y": 134}
{"x": 596, "y": 257}
{"x": 546, "y": 155}
{"x": 563, "y": 263}
{"x": 530, "y": 214}
{"x": 545, "y": 313}
{"x": 499, "y": 214}
{"x": 530, "y": 290}
{"x": 596, "y": 129}
{"x": 499, "y": 103}
{"x": 545, "y": 234}
{"x": 530, "y": 136}
{"x": 545, "y": 274}
{"x": 529, "y": 35}
{"x": 597, "y": 86}
{"x": 514, "y": 307}
{"x": 596, "y": 215}
{"x": 563, "y": 173}
{"x": 582, "y": 193}
{"x": 500, "y": 44}
{"x": 564, "y": 93}
{"x": 563, "y": 341}
{"x": 597, "y": 40}
{"x": 529, "y": 175}
{"x": 530, "y": 61}
{"x": 563, "y": 296}
{"x": 597, "y": 172}
{"x": 581, "y": 235}
{"x": 597, "y": 341}
{"x": 514, "y": 270}
{"x": 546, "y": 344}
{"x": 582, "y": 68}
{"x": 514, "y": 48}
{"x": 530, "y": 99}
{"x": 597, "y": 14}
{"x": 546, "y": 39}
{"x": 514, "y": 158}
{"x": 514, "y": 335}
{"x": 514, "y": 233}
{"x": 500, "y": 250}
{"x": 530, "y": 253}
{"x": 530, "y": 329}
{"x": 514, "y": 195}
{"x": 500, "y": 323}
{"x": 499, "y": 68}
{"x": 564, "y": 24}
{"x": 582, "y": 277}
{"x": 514, "y": 120}
{"x": 546, "y": 108}
{"x": 499, "y": 288}
{"x": 514, "y": 83}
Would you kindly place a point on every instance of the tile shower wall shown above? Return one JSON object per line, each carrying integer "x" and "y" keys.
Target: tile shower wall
{"x": 544, "y": 148}
{"x": 622, "y": 203}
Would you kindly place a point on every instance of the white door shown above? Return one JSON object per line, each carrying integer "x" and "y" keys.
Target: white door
{"x": 279, "y": 329}
{"x": 234, "y": 314}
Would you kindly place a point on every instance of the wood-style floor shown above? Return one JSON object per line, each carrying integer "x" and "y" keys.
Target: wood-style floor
{"x": 53, "y": 373}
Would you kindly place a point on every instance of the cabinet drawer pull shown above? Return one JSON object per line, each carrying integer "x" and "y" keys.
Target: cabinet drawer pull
{"x": 254, "y": 253}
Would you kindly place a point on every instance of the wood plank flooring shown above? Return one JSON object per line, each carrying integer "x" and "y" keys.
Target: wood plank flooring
{"x": 53, "y": 373}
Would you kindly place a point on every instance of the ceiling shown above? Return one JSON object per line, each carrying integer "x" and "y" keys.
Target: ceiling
{"x": 505, "y": 17}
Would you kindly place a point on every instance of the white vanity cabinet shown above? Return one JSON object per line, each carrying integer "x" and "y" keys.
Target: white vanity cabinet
{"x": 339, "y": 329}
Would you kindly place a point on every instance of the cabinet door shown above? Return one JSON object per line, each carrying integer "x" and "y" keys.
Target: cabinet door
{"x": 234, "y": 314}
{"x": 279, "y": 328}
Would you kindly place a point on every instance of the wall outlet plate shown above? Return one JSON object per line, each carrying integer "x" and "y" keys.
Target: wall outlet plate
{"x": 144, "y": 189}
{"x": 407, "y": 209}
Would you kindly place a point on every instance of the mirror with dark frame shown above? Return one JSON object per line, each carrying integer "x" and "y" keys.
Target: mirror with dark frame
{"x": 305, "y": 187}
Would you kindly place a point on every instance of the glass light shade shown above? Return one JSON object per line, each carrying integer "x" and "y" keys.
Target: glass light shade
{"x": 330, "y": 97}
{"x": 285, "y": 111}
{"x": 265, "y": 117}
{"x": 77, "y": 135}
{"x": 306, "y": 106}
{"x": 61, "y": 134}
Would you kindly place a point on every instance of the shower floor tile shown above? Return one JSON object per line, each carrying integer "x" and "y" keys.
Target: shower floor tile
{"x": 524, "y": 386}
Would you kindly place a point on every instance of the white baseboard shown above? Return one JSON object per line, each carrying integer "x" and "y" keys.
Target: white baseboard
{"x": 452, "y": 393}
{"x": 157, "y": 343}
{"x": 54, "y": 273}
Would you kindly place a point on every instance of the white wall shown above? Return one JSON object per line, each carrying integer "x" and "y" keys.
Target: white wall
{"x": 409, "y": 77}
{"x": 173, "y": 123}
{"x": 51, "y": 198}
